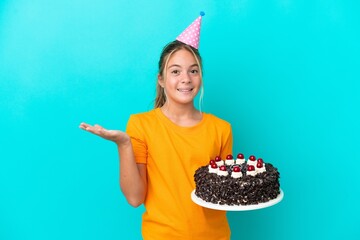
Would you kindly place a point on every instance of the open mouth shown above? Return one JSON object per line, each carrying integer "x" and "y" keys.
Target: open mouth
{"x": 185, "y": 90}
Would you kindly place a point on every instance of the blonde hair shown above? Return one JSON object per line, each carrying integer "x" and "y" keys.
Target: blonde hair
{"x": 168, "y": 50}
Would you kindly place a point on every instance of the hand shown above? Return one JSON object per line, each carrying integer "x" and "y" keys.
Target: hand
{"x": 116, "y": 136}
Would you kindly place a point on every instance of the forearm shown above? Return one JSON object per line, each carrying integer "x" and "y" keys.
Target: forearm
{"x": 132, "y": 176}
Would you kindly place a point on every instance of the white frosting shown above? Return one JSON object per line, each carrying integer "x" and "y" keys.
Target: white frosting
{"x": 240, "y": 161}
{"x": 219, "y": 163}
{"x": 250, "y": 162}
{"x": 229, "y": 162}
{"x": 212, "y": 170}
{"x": 222, "y": 173}
{"x": 236, "y": 174}
{"x": 260, "y": 170}
{"x": 251, "y": 173}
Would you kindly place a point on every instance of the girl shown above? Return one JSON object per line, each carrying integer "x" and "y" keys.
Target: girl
{"x": 162, "y": 148}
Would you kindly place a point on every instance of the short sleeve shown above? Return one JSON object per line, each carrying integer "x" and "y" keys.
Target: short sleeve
{"x": 135, "y": 129}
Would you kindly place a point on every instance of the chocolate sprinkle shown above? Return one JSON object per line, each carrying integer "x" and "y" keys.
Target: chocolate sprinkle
{"x": 246, "y": 190}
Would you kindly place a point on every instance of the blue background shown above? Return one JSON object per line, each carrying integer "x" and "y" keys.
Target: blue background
{"x": 284, "y": 73}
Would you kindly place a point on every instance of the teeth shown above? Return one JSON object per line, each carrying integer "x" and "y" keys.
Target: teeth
{"x": 184, "y": 90}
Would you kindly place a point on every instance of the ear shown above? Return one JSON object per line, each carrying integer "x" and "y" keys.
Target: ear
{"x": 161, "y": 81}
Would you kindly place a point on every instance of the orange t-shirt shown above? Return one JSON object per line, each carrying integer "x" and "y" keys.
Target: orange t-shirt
{"x": 172, "y": 154}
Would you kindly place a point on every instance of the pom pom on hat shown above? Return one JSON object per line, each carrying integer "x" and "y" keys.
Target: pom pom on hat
{"x": 191, "y": 35}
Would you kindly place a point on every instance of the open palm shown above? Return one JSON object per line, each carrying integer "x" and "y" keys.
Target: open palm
{"x": 119, "y": 137}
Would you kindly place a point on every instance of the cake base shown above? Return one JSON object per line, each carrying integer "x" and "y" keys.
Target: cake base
{"x": 225, "y": 207}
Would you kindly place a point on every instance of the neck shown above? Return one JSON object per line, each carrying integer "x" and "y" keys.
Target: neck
{"x": 178, "y": 110}
{"x": 186, "y": 115}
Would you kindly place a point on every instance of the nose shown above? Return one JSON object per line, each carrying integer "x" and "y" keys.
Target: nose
{"x": 186, "y": 78}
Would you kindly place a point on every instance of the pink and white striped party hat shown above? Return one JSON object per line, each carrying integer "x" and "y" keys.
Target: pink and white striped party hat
{"x": 191, "y": 35}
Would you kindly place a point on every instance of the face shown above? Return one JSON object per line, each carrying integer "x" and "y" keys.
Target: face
{"x": 182, "y": 79}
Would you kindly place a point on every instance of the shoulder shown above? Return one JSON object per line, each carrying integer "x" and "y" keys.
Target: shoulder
{"x": 219, "y": 125}
{"x": 143, "y": 115}
{"x": 216, "y": 120}
{"x": 141, "y": 122}
{"x": 144, "y": 119}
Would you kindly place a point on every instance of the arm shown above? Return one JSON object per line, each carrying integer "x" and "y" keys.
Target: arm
{"x": 133, "y": 181}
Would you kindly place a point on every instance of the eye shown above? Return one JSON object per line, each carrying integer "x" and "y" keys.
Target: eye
{"x": 175, "y": 72}
{"x": 194, "y": 71}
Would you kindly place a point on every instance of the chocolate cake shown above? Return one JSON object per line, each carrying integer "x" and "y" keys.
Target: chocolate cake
{"x": 237, "y": 182}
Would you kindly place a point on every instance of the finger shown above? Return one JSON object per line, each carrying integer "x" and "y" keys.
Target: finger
{"x": 84, "y": 126}
{"x": 98, "y": 128}
{"x": 89, "y": 128}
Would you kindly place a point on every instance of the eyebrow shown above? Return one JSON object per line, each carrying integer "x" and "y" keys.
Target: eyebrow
{"x": 177, "y": 65}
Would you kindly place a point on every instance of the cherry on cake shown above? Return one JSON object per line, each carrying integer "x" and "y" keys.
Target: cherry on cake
{"x": 237, "y": 181}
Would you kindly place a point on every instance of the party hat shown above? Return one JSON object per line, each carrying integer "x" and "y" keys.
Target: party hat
{"x": 191, "y": 35}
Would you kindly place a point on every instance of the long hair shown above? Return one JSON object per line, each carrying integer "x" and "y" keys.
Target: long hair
{"x": 166, "y": 53}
